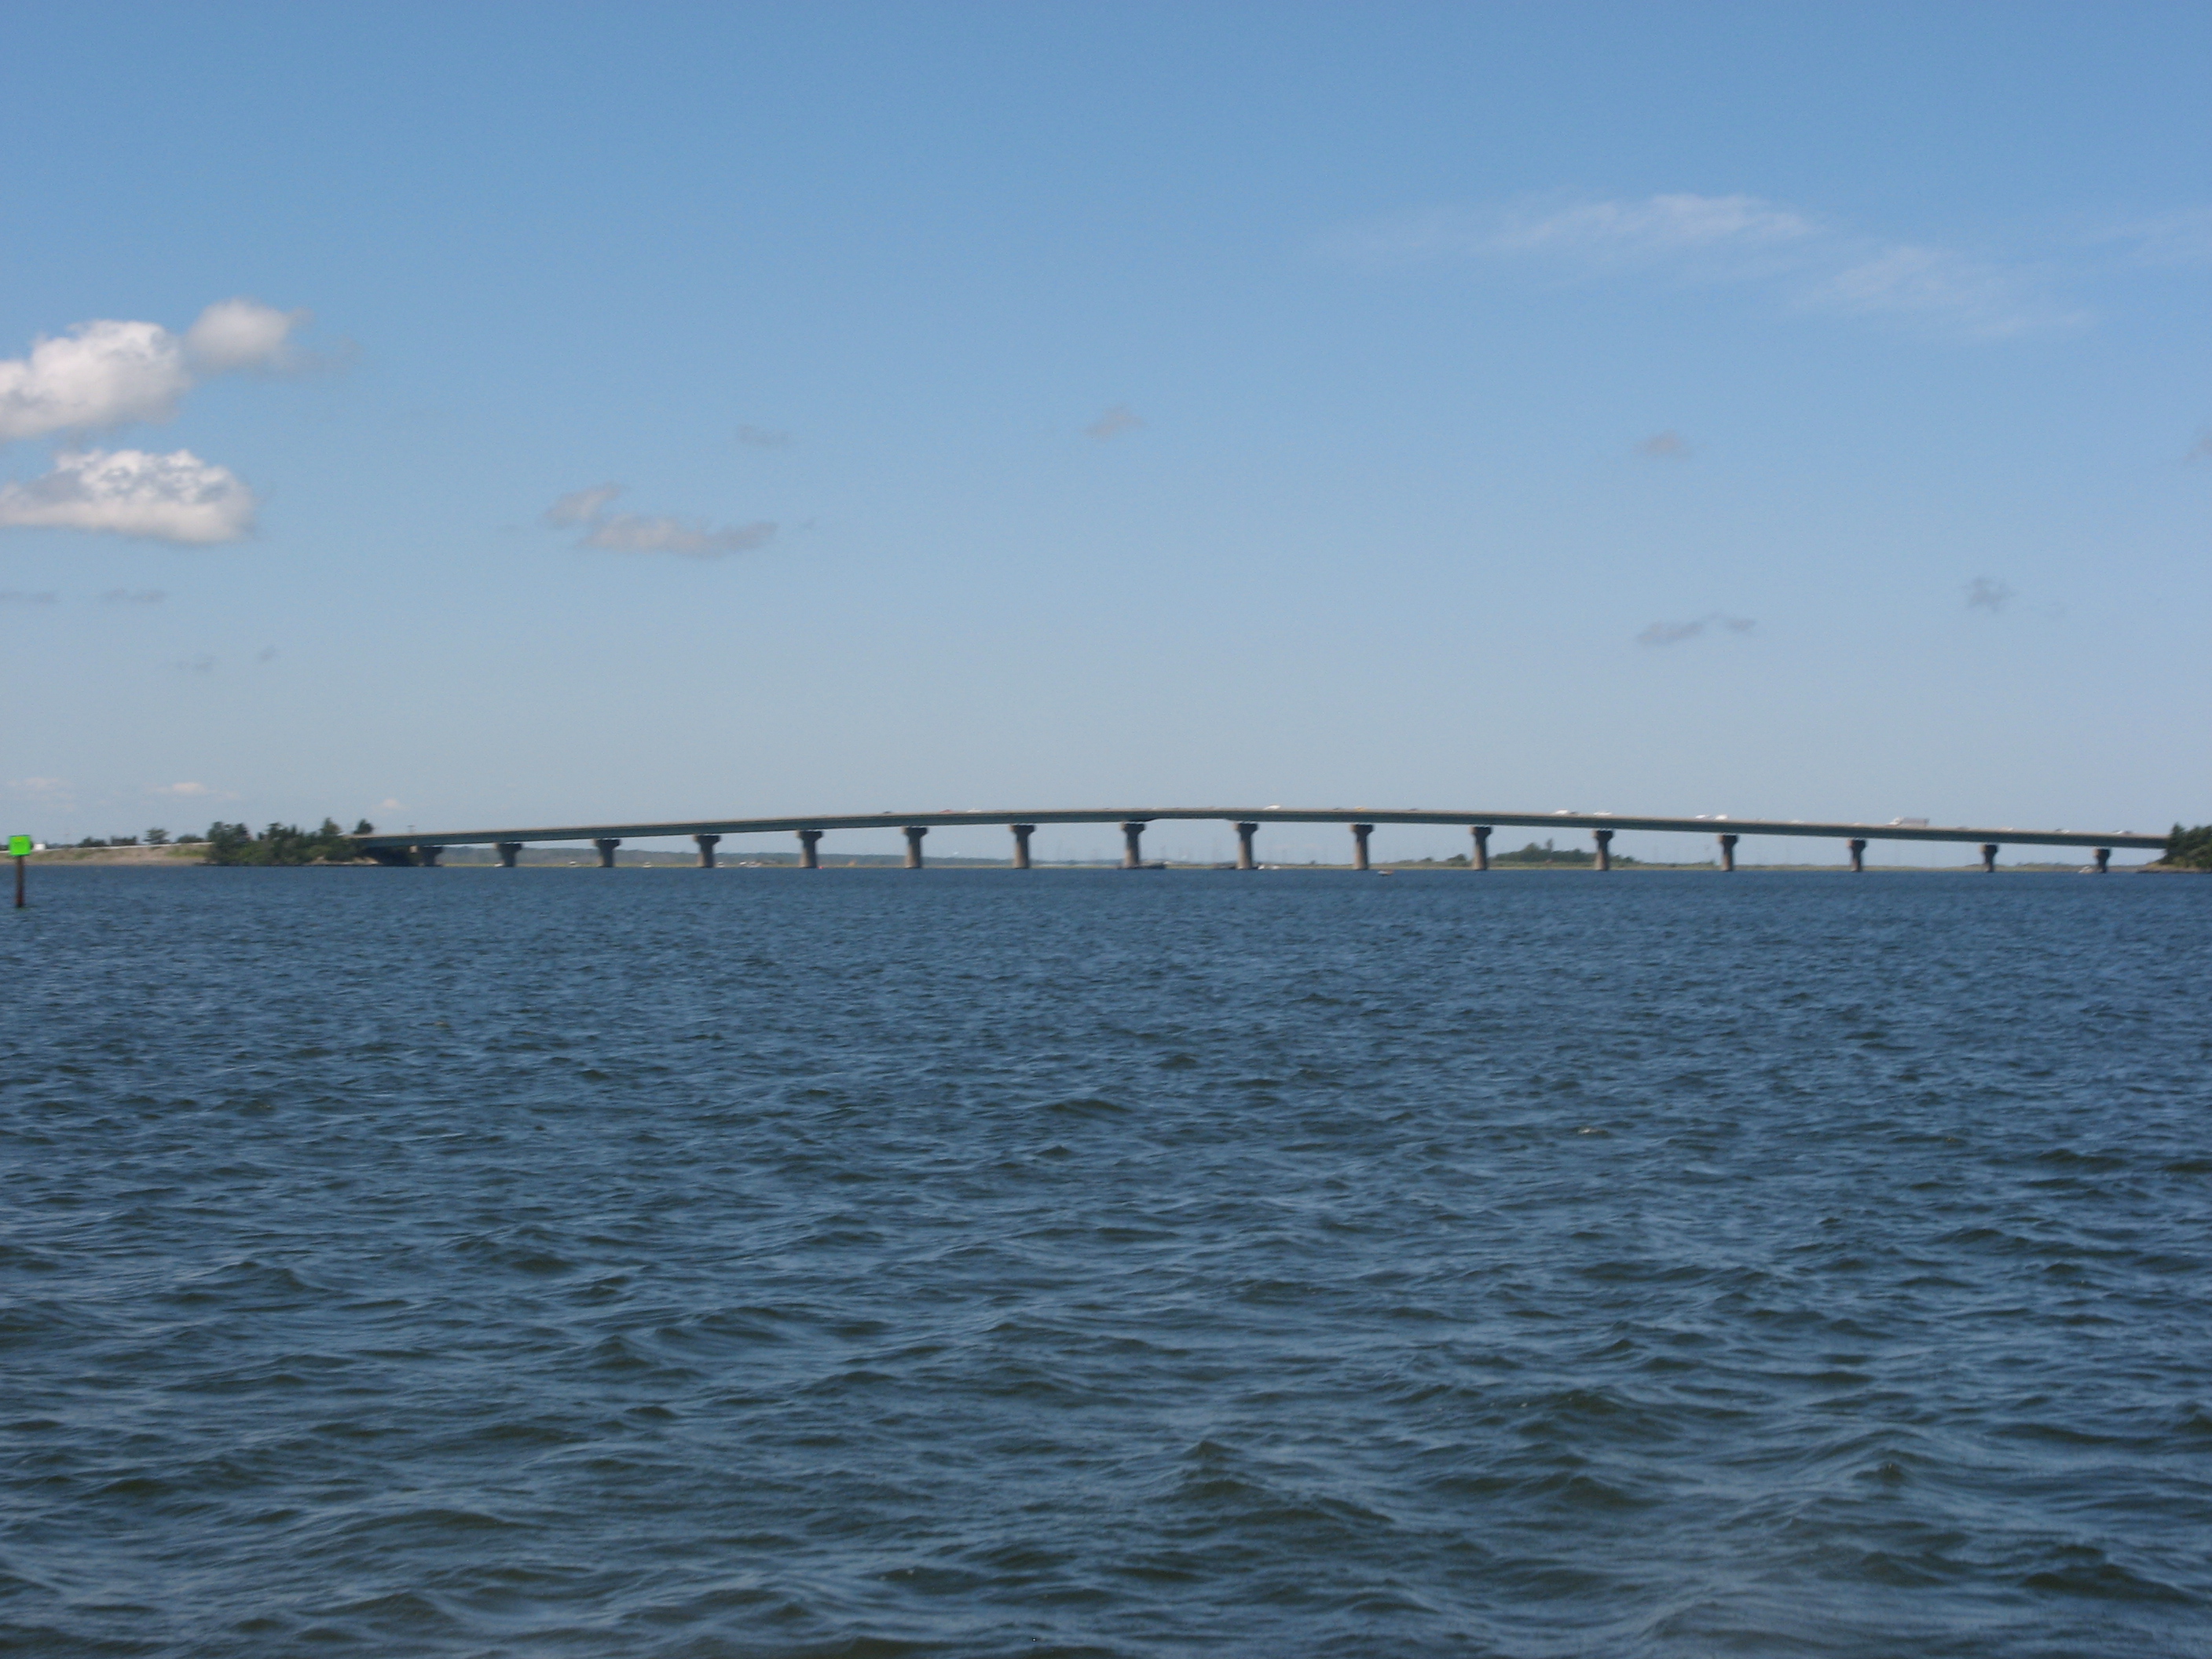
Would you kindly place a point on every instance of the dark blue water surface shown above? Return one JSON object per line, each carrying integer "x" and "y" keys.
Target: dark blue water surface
{"x": 666, "y": 1262}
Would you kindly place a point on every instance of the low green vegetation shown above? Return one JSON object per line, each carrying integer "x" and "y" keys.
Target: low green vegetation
{"x": 2189, "y": 849}
{"x": 285, "y": 843}
{"x": 151, "y": 838}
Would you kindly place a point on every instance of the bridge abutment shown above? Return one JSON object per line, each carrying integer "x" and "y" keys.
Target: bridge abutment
{"x": 1481, "y": 834}
{"x": 1858, "y": 855}
{"x": 914, "y": 832}
{"x": 809, "y": 840}
{"x": 706, "y": 846}
{"x": 1244, "y": 834}
{"x": 1022, "y": 834}
{"x": 428, "y": 855}
{"x": 509, "y": 851}
{"x": 1988, "y": 858}
{"x": 1727, "y": 852}
{"x": 1359, "y": 835}
{"x": 2104, "y": 860}
{"x": 1604, "y": 839}
{"x": 606, "y": 844}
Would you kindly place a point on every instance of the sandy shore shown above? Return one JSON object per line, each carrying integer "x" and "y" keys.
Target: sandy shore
{"x": 157, "y": 855}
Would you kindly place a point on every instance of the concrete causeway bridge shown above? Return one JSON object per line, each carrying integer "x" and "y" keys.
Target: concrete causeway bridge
{"x": 424, "y": 849}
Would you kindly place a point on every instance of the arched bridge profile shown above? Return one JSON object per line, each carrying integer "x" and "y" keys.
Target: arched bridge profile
{"x": 424, "y": 849}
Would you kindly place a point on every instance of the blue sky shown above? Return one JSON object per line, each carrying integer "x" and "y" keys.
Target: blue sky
{"x": 492, "y": 414}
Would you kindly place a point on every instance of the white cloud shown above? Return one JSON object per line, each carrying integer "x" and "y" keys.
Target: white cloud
{"x": 105, "y": 373}
{"x": 642, "y": 532}
{"x": 185, "y": 791}
{"x": 234, "y": 334}
{"x": 637, "y": 532}
{"x": 99, "y": 374}
{"x": 176, "y": 497}
{"x": 1814, "y": 264}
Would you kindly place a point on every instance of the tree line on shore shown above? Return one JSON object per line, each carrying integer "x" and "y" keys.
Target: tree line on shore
{"x": 2189, "y": 849}
{"x": 237, "y": 843}
{"x": 285, "y": 843}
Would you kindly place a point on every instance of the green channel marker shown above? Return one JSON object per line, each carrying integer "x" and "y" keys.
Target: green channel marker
{"x": 18, "y": 846}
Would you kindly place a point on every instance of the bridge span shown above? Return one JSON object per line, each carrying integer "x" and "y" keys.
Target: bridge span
{"x": 413, "y": 848}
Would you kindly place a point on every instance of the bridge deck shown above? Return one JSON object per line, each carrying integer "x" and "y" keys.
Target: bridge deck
{"x": 1577, "y": 821}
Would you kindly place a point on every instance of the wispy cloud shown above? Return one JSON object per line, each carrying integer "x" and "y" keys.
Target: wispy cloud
{"x": 203, "y": 664}
{"x": 2202, "y": 449}
{"x": 1668, "y": 446}
{"x": 640, "y": 532}
{"x": 17, "y": 596}
{"x": 2180, "y": 238}
{"x": 764, "y": 437}
{"x": 1810, "y": 263}
{"x": 133, "y": 596}
{"x": 1946, "y": 289}
{"x": 1114, "y": 423}
{"x": 188, "y": 792}
{"x": 176, "y": 497}
{"x": 582, "y": 506}
{"x": 1982, "y": 593}
{"x": 1673, "y": 632}
{"x": 643, "y": 532}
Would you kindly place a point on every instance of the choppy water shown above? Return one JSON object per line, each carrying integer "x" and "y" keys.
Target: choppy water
{"x": 481, "y": 1262}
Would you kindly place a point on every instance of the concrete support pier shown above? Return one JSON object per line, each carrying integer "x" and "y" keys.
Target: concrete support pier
{"x": 606, "y": 844}
{"x": 1022, "y": 834}
{"x": 1604, "y": 839}
{"x": 1481, "y": 833}
{"x": 508, "y": 852}
{"x": 1359, "y": 835}
{"x": 1727, "y": 852}
{"x": 1132, "y": 850}
{"x": 2104, "y": 860}
{"x": 1244, "y": 834}
{"x": 1858, "y": 855}
{"x": 1988, "y": 858}
{"x": 808, "y": 841}
{"x": 914, "y": 832}
{"x": 706, "y": 846}
{"x": 427, "y": 856}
